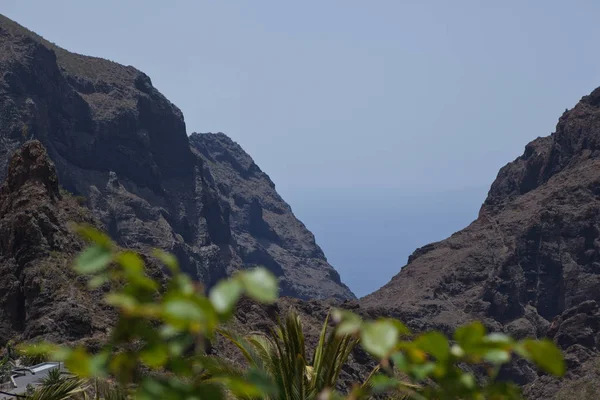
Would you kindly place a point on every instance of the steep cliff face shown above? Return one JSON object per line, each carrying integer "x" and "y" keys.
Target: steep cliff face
{"x": 264, "y": 229}
{"x": 536, "y": 241}
{"x": 529, "y": 265}
{"x": 40, "y": 295}
{"x": 531, "y": 259}
{"x": 117, "y": 141}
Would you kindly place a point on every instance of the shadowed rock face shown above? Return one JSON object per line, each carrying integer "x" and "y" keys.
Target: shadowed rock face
{"x": 123, "y": 146}
{"x": 529, "y": 265}
{"x": 264, "y": 229}
{"x": 532, "y": 254}
{"x": 40, "y": 296}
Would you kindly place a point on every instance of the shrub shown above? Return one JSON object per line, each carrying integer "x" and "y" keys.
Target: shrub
{"x": 165, "y": 330}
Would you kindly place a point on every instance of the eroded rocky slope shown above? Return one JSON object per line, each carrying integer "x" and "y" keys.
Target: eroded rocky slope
{"x": 264, "y": 229}
{"x": 40, "y": 294}
{"x": 123, "y": 146}
{"x": 530, "y": 264}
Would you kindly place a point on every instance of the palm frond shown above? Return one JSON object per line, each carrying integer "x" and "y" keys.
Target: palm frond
{"x": 216, "y": 367}
{"x": 282, "y": 355}
{"x": 256, "y": 349}
{"x": 265, "y": 351}
{"x": 331, "y": 354}
{"x": 61, "y": 391}
{"x": 54, "y": 377}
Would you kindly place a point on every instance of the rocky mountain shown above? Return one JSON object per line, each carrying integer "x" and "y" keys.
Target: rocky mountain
{"x": 530, "y": 264}
{"x": 40, "y": 294}
{"x": 118, "y": 142}
{"x": 263, "y": 227}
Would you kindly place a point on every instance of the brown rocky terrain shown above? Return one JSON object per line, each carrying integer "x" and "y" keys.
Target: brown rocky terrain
{"x": 263, "y": 227}
{"x": 40, "y": 294}
{"x": 118, "y": 142}
{"x": 530, "y": 264}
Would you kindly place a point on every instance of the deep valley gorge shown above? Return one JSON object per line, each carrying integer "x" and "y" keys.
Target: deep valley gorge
{"x": 83, "y": 139}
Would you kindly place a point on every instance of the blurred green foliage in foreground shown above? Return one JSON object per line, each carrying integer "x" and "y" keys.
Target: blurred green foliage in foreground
{"x": 157, "y": 347}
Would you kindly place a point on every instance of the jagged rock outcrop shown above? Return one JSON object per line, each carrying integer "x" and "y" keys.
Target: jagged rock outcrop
{"x": 264, "y": 229}
{"x": 530, "y": 264}
{"x": 40, "y": 295}
{"x": 122, "y": 145}
{"x": 577, "y": 331}
{"x": 117, "y": 141}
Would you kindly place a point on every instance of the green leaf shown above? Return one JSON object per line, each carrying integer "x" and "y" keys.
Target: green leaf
{"x": 379, "y": 337}
{"x": 209, "y": 391}
{"x": 93, "y": 259}
{"x": 142, "y": 281}
{"x": 155, "y": 355}
{"x": 470, "y": 336}
{"x": 182, "y": 309}
{"x": 348, "y": 323}
{"x": 497, "y": 356}
{"x": 468, "y": 380}
{"x": 122, "y": 366}
{"x": 168, "y": 259}
{"x": 240, "y": 387}
{"x": 133, "y": 267}
{"x": 225, "y": 295}
{"x": 93, "y": 235}
{"x": 121, "y": 300}
{"x": 382, "y": 383}
{"x": 98, "y": 364}
{"x": 131, "y": 262}
{"x": 167, "y": 331}
{"x": 435, "y": 344}
{"x": 183, "y": 284}
{"x": 457, "y": 351}
{"x": 97, "y": 281}
{"x": 38, "y": 349}
{"x": 61, "y": 353}
{"x": 151, "y": 389}
{"x": 420, "y": 372}
{"x": 178, "y": 345}
{"x": 348, "y": 328}
{"x": 79, "y": 362}
{"x": 498, "y": 338}
{"x": 545, "y": 355}
{"x": 260, "y": 285}
{"x": 402, "y": 329}
{"x": 400, "y": 361}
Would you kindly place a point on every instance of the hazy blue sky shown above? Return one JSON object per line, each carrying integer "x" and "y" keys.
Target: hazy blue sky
{"x": 383, "y": 123}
